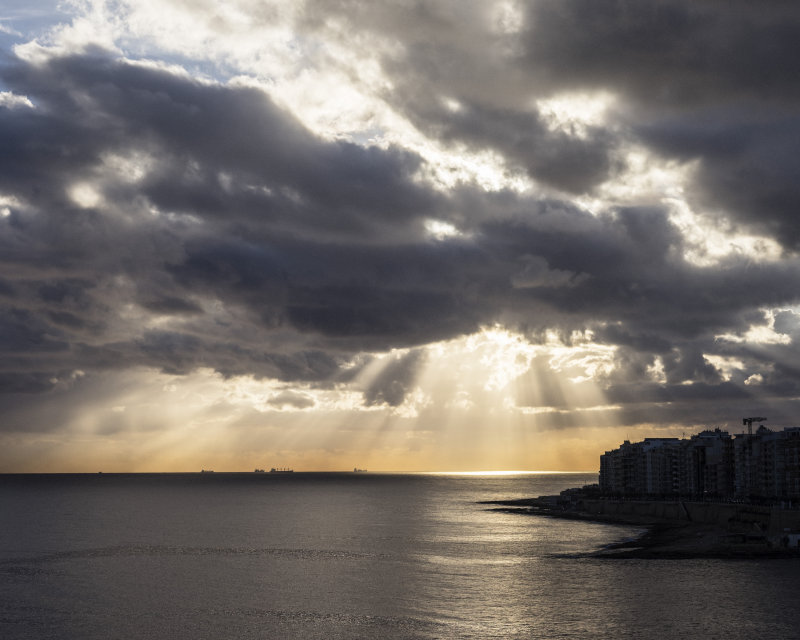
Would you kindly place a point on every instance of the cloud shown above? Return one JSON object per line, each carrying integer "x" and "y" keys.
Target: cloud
{"x": 567, "y": 162}
{"x": 242, "y": 220}
{"x": 672, "y": 54}
{"x": 290, "y": 399}
{"x": 154, "y": 218}
{"x": 694, "y": 82}
{"x": 395, "y": 380}
{"x": 698, "y": 83}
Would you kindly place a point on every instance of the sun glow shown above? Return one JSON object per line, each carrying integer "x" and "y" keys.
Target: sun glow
{"x": 85, "y": 195}
{"x": 440, "y": 230}
{"x": 469, "y": 405}
{"x": 514, "y": 472}
{"x": 575, "y": 113}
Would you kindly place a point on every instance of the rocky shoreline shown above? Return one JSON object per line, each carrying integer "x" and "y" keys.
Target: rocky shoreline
{"x": 661, "y": 539}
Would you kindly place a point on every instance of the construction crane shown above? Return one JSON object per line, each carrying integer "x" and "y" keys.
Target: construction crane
{"x": 749, "y": 422}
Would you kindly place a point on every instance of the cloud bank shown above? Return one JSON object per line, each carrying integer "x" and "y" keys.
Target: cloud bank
{"x": 326, "y": 198}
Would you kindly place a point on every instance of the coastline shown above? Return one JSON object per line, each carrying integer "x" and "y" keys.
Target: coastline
{"x": 661, "y": 538}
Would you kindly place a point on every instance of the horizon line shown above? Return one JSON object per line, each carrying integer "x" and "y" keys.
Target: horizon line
{"x": 486, "y": 472}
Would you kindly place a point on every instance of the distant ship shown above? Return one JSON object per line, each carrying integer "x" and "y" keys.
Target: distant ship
{"x": 258, "y": 471}
{"x": 206, "y": 471}
{"x": 281, "y": 470}
{"x": 357, "y": 470}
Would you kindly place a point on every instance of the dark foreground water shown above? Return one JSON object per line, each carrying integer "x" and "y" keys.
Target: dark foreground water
{"x": 350, "y": 556}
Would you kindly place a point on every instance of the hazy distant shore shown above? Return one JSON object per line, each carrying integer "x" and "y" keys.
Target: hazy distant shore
{"x": 659, "y": 539}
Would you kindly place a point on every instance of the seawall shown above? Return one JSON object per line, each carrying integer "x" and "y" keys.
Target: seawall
{"x": 744, "y": 517}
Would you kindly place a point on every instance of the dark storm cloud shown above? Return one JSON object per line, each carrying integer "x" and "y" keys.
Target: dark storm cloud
{"x": 570, "y": 163}
{"x": 24, "y": 332}
{"x": 623, "y": 337}
{"x": 170, "y": 305}
{"x": 667, "y": 53}
{"x": 711, "y": 82}
{"x": 88, "y": 107}
{"x": 633, "y": 271}
{"x": 251, "y": 246}
{"x": 25, "y": 383}
{"x": 460, "y": 82}
{"x": 748, "y": 165}
{"x": 200, "y": 133}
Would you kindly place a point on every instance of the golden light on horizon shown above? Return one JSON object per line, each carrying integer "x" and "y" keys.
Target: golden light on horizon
{"x": 487, "y": 402}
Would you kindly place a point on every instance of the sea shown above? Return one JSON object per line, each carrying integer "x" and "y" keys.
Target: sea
{"x": 351, "y": 555}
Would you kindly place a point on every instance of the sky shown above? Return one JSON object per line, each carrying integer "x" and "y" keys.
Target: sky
{"x": 452, "y": 235}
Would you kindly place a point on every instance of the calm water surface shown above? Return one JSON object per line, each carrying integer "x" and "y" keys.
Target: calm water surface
{"x": 350, "y": 556}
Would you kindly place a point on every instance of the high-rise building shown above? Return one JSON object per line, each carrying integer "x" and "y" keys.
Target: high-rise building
{"x": 763, "y": 465}
{"x": 767, "y": 464}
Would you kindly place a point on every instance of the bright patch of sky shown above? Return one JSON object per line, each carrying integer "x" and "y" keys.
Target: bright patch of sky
{"x": 727, "y": 366}
{"x": 759, "y": 334}
{"x": 441, "y": 230}
{"x": 575, "y": 113}
{"x": 648, "y": 178}
{"x": 456, "y": 374}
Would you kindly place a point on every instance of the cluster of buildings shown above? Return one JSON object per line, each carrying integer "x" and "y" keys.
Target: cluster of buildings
{"x": 764, "y": 465}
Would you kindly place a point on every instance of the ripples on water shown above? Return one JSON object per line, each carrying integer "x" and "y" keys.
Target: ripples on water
{"x": 349, "y": 556}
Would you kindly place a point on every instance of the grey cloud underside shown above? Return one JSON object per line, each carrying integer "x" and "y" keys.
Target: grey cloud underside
{"x": 710, "y": 82}
{"x": 276, "y": 253}
{"x": 395, "y": 380}
{"x": 569, "y": 163}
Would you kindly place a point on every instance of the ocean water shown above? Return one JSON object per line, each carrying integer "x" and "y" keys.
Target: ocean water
{"x": 348, "y": 555}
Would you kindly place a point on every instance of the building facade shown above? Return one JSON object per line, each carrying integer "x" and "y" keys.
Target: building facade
{"x": 710, "y": 464}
